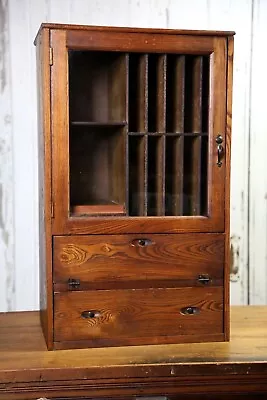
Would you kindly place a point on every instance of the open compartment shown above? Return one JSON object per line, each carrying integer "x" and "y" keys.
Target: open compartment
{"x": 156, "y": 176}
{"x": 195, "y": 175}
{"x": 174, "y": 172}
{"x": 137, "y": 175}
{"x": 138, "y": 92}
{"x": 97, "y": 87}
{"x": 157, "y": 65}
{"x": 97, "y": 170}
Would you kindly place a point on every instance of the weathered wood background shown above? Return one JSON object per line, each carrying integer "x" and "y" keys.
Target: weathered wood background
{"x": 19, "y": 22}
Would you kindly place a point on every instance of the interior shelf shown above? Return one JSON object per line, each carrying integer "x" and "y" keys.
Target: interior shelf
{"x": 95, "y": 209}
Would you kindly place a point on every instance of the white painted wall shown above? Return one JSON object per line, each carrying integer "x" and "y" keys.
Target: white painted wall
{"x": 19, "y": 22}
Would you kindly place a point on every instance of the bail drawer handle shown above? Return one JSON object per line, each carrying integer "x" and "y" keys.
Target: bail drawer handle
{"x": 142, "y": 242}
{"x": 190, "y": 310}
{"x": 89, "y": 314}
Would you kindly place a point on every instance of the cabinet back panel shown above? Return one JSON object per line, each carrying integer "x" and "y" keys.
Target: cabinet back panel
{"x": 96, "y": 166}
{"x": 97, "y": 86}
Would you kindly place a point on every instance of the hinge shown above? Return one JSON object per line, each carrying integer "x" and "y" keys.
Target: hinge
{"x": 52, "y": 210}
{"x": 204, "y": 279}
{"x": 73, "y": 283}
{"x": 50, "y": 56}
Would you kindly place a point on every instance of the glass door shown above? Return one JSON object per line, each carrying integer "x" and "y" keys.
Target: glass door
{"x": 143, "y": 134}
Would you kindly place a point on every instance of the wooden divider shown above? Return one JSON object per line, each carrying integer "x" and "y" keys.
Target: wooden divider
{"x": 178, "y": 148}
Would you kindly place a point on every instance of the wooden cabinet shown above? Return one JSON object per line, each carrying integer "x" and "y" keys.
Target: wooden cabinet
{"x": 134, "y": 170}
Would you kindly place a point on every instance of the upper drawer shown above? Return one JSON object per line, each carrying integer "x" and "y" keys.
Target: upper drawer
{"x": 100, "y": 261}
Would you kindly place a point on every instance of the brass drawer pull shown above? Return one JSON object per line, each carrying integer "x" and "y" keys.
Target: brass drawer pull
{"x": 90, "y": 314}
{"x": 190, "y": 310}
{"x": 142, "y": 242}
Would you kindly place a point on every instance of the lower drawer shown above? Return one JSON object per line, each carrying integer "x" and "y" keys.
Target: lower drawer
{"x": 138, "y": 316}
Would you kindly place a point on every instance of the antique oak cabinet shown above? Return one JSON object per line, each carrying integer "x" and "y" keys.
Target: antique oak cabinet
{"x": 134, "y": 170}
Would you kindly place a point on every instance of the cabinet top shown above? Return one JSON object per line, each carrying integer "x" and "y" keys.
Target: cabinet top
{"x": 132, "y": 30}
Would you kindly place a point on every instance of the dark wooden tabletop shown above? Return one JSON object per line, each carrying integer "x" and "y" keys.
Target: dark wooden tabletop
{"x": 28, "y": 369}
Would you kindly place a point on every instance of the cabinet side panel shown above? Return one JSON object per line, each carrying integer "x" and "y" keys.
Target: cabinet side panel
{"x": 44, "y": 166}
{"x": 230, "y": 54}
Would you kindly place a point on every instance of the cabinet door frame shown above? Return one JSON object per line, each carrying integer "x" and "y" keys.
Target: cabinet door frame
{"x": 216, "y": 47}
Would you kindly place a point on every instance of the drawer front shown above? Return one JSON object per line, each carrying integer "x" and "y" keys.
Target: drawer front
{"x": 99, "y": 259}
{"x": 105, "y": 316}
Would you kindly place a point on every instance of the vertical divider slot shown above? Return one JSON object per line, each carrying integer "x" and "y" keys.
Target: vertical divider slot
{"x": 174, "y": 175}
{"x": 188, "y": 174}
{"x": 175, "y": 114}
{"x": 175, "y": 97}
{"x": 138, "y": 92}
{"x": 137, "y": 175}
{"x": 156, "y": 175}
{"x": 142, "y": 179}
{"x": 196, "y": 175}
{"x": 152, "y": 91}
{"x": 160, "y": 171}
{"x": 143, "y": 90}
{"x": 161, "y": 128}
{"x": 161, "y": 93}
{"x": 157, "y": 72}
{"x": 175, "y": 105}
{"x": 152, "y": 175}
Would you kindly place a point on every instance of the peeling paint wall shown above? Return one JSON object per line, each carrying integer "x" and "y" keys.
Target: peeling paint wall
{"x": 257, "y": 238}
{"x": 19, "y": 22}
{"x": 7, "y": 298}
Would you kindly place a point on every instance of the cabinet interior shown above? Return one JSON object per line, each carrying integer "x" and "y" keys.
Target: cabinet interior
{"x": 138, "y": 133}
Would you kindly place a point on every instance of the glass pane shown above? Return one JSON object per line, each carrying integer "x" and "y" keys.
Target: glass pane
{"x": 138, "y": 134}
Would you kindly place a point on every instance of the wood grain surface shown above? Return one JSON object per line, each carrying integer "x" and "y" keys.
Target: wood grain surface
{"x": 133, "y": 316}
{"x": 142, "y": 30}
{"x": 120, "y": 258}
